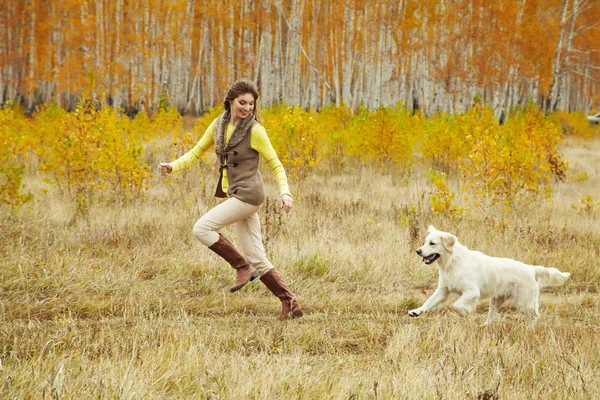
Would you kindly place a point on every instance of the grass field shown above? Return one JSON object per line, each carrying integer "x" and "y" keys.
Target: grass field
{"x": 126, "y": 304}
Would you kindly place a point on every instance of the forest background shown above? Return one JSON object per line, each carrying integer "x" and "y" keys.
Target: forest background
{"x": 429, "y": 55}
{"x": 388, "y": 117}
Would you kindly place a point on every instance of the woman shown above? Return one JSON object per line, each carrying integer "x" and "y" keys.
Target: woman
{"x": 239, "y": 142}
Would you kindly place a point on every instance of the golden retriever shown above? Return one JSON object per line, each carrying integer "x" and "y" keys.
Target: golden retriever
{"x": 474, "y": 275}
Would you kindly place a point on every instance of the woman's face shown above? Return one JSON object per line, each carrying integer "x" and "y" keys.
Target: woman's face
{"x": 242, "y": 106}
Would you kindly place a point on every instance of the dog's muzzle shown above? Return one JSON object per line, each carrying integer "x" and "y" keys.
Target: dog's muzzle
{"x": 431, "y": 258}
{"x": 428, "y": 259}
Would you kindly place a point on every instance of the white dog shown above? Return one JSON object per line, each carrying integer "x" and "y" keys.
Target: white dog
{"x": 474, "y": 275}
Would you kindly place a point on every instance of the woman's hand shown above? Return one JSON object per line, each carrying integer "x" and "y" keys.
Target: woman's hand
{"x": 165, "y": 169}
{"x": 287, "y": 202}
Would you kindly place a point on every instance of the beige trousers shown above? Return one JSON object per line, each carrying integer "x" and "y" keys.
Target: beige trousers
{"x": 247, "y": 224}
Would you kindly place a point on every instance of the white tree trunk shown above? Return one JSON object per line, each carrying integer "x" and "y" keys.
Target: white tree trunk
{"x": 32, "y": 56}
{"x": 347, "y": 45}
{"x": 551, "y": 102}
{"x": 562, "y": 84}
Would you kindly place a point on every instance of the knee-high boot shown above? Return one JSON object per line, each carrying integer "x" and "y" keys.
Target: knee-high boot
{"x": 275, "y": 283}
{"x": 245, "y": 271}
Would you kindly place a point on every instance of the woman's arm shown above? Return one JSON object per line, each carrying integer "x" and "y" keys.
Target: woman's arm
{"x": 191, "y": 157}
{"x": 261, "y": 143}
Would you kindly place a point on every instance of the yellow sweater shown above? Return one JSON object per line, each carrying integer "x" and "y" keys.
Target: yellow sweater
{"x": 259, "y": 141}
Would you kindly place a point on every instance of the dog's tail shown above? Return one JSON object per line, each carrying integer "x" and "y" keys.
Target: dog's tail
{"x": 550, "y": 276}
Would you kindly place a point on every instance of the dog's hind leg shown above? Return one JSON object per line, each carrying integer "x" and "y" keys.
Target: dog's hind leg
{"x": 495, "y": 303}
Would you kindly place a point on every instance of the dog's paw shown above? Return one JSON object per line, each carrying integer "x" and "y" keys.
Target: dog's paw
{"x": 415, "y": 313}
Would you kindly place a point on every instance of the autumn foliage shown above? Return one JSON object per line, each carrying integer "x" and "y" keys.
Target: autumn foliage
{"x": 12, "y": 157}
{"x": 91, "y": 153}
{"x": 431, "y": 55}
{"x": 471, "y": 160}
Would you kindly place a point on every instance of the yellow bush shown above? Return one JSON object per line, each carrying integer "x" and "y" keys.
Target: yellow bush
{"x": 295, "y": 135}
{"x": 166, "y": 120}
{"x": 574, "y": 124}
{"x": 91, "y": 153}
{"x": 442, "y": 201}
{"x": 14, "y": 130}
{"x": 335, "y": 123}
{"x": 441, "y": 144}
{"x": 510, "y": 162}
{"x": 587, "y": 205}
{"x": 96, "y": 152}
{"x": 385, "y": 137}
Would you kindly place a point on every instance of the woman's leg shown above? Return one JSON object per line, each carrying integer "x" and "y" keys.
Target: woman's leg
{"x": 248, "y": 231}
{"x": 226, "y": 213}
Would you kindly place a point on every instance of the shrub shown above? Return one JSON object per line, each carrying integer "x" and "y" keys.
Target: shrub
{"x": 92, "y": 153}
{"x": 14, "y": 131}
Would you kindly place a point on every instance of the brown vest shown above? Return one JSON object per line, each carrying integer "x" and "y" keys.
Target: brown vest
{"x": 245, "y": 181}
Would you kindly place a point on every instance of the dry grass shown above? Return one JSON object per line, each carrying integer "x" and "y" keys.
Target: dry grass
{"x": 127, "y": 304}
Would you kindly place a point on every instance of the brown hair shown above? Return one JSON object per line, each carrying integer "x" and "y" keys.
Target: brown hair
{"x": 240, "y": 87}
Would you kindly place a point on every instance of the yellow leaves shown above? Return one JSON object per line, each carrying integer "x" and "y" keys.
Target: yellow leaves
{"x": 384, "y": 137}
{"x": 579, "y": 176}
{"x": 91, "y": 153}
{"x": 497, "y": 164}
{"x": 442, "y": 200}
{"x": 96, "y": 153}
{"x": 13, "y": 148}
{"x": 575, "y": 124}
{"x": 295, "y": 135}
{"x": 587, "y": 205}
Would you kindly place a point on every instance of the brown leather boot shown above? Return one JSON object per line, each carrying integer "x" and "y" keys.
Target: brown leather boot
{"x": 245, "y": 271}
{"x": 275, "y": 283}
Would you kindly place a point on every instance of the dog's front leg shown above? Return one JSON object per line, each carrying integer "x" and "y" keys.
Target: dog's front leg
{"x": 440, "y": 294}
{"x": 467, "y": 303}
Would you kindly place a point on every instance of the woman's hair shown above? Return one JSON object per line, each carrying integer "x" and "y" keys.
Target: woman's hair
{"x": 240, "y": 87}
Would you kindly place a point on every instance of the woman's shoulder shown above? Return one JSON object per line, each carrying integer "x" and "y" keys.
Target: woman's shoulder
{"x": 259, "y": 129}
{"x": 210, "y": 129}
{"x": 216, "y": 119}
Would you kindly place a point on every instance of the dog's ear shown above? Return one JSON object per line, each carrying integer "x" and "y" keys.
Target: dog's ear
{"x": 431, "y": 229}
{"x": 448, "y": 241}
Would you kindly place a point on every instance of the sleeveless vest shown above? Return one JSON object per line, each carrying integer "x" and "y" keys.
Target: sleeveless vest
{"x": 241, "y": 161}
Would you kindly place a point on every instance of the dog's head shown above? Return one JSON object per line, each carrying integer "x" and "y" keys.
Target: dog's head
{"x": 437, "y": 244}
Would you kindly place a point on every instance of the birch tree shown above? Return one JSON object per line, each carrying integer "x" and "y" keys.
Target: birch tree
{"x": 558, "y": 64}
{"x": 429, "y": 54}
